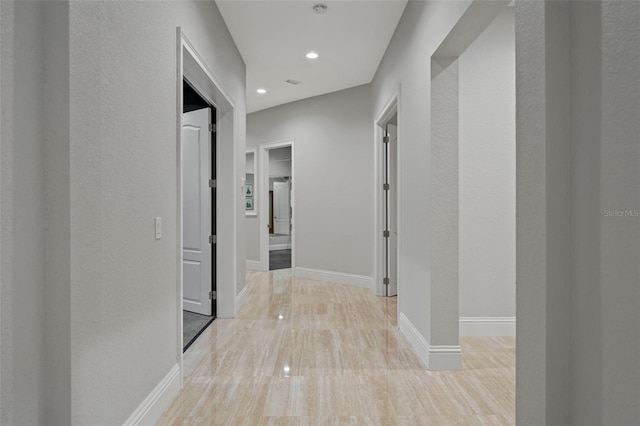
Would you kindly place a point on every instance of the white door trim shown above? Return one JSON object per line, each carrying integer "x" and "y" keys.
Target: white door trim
{"x": 263, "y": 191}
{"x": 190, "y": 64}
{"x": 391, "y": 107}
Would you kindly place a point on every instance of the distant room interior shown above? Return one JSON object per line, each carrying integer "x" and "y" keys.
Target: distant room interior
{"x": 280, "y": 230}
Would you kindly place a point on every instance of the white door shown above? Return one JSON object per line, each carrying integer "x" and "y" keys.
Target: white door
{"x": 196, "y": 211}
{"x": 393, "y": 211}
{"x": 281, "y": 210}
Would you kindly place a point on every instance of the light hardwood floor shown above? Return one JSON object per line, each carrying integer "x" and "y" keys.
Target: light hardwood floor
{"x": 304, "y": 352}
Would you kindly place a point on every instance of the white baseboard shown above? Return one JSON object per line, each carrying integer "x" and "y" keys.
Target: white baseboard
{"x": 155, "y": 404}
{"x": 254, "y": 265}
{"x": 334, "y": 277}
{"x": 434, "y": 357}
{"x": 275, "y": 247}
{"x": 416, "y": 340}
{"x": 241, "y": 298}
{"x": 487, "y": 326}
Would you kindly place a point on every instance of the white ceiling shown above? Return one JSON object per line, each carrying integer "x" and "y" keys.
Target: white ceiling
{"x": 274, "y": 36}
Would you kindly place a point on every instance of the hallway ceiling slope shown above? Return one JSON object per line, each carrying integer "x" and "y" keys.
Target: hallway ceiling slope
{"x": 274, "y": 36}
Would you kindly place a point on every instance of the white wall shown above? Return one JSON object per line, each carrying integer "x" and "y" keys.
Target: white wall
{"x": 278, "y": 165}
{"x": 250, "y": 163}
{"x": 333, "y": 178}
{"x": 111, "y": 307}
{"x": 487, "y": 172}
{"x": 578, "y": 156}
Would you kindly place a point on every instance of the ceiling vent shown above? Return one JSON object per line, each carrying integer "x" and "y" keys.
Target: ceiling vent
{"x": 294, "y": 82}
{"x": 320, "y": 8}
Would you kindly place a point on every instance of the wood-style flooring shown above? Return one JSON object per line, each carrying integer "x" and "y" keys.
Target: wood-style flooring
{"x": 304, "y": 352}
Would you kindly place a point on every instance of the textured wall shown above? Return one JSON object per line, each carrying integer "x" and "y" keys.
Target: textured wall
{"x": 606, "y": 177}
{"x": 578, "y": 163}
{"x": 443, "y": 179}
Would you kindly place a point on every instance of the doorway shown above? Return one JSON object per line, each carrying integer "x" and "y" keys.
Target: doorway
{"x": 387, "y": 200}
{"x": 277, "y": 224}
{"x": 227, "y": 297}
{"x": 198, "y": 214}
{"x": 280, "y": 232}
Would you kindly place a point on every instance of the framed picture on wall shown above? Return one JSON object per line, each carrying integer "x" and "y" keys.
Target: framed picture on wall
{"x": 248, "y": 203}
{"x": 248, "y": 190}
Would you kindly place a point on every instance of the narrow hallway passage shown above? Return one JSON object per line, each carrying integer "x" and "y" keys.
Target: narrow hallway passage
{"x": 304, "y": 352}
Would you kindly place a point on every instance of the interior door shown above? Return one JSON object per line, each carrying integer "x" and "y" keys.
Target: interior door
{"x": 196, "y": 211}
{"x": 390, "y": 210}
{"x": 393, "y": 210}
{"x": 281, "y": 209}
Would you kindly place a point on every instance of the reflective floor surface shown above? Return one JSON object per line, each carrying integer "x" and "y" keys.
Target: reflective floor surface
{"x": 304, "y": 352}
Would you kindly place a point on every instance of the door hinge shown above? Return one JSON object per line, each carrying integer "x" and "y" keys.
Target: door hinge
{"x": 385, "y": 234}
{"x": 386, "y": 281}
{"x": 385, "y": 139}
{"x": 386, "y": 187}
{"x": 213, "y": 239}
{"x": 212, "y": 295}
{"x": 213, "y": 183}
{"x": 212, "y": 127}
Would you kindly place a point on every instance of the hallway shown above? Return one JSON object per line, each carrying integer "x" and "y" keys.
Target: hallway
{"x": 307, "y": 352}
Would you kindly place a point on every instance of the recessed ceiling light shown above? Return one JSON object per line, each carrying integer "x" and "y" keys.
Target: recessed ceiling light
{"x": 261, "y": 91}
{"x": 312, "y": 55}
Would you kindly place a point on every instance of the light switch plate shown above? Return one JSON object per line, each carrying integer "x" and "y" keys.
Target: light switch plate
{"x": 158, "y": 222}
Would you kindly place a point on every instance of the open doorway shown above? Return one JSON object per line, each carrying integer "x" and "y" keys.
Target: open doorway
{"x": 226, "y": 297}
{"x": 390, "y": 206}
{"x": 387, "y": 200}
{"x": 280, "y": 230}
{"x": 472, "y": 174}
{"x": 487, "y": 180}
{"x": 198, "y": 214}
{"x": 277, "y": 224}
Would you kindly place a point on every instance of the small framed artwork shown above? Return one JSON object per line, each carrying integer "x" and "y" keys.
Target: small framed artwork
{"x": 248, "y": 190}
{"x": 248, "y": 204}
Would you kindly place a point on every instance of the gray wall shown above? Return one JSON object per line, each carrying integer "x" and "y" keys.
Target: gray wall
{"x": 487, "y": 172}
{"x": 105, "y": 109}
{"x": 333, "y": 172}
{"x": 123, "y": 174}
{"x": 578, "y": 157}
{"x": 22, "y": 214}
{"x": 278, "y": 167}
